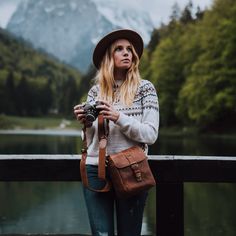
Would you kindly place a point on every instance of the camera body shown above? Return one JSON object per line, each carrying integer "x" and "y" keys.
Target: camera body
{"x": 91, "y": 111}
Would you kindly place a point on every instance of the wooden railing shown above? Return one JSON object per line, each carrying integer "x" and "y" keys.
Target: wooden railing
{"x": 170, "y": 173}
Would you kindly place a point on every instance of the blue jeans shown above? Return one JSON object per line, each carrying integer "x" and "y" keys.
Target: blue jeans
{"x": 129, "y": 212}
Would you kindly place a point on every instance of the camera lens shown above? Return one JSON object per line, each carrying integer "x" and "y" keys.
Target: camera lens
{"x": 90, "y": 117}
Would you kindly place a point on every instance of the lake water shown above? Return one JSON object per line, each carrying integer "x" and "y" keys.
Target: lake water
{"x": 58, "y": 207}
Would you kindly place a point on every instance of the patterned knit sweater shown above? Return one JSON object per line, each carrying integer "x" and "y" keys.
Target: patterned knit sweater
{"x": 136, "y": 125}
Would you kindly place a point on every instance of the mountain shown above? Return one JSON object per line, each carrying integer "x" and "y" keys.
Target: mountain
{"x": 69, "y": 29}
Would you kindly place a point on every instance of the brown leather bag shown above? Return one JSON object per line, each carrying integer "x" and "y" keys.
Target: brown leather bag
{"x": 130, "y": 172}
{"x": 129, "y": 169}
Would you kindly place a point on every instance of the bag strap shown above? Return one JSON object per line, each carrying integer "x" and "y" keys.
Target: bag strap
{"x": 102, "y": 135}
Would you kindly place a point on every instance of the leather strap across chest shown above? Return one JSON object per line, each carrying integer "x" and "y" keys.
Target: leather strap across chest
{"x": 102, "y": 135}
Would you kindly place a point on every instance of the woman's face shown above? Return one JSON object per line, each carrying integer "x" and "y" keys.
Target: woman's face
{"x": 122, "y": 54}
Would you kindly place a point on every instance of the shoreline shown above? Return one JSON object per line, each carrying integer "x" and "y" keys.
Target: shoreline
{"x": 77, "y": 132}
{"x": 52, "y": 132}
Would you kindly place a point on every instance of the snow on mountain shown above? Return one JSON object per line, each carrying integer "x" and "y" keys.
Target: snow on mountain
{"x": 69, "y": 29}
{"x": 126, "y": 16}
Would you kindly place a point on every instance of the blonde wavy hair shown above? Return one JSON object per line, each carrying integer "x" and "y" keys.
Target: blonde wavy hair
{"x": 106, "y": 81}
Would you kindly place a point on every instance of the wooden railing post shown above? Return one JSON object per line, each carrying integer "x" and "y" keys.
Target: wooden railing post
{"x": 169, "y": 209}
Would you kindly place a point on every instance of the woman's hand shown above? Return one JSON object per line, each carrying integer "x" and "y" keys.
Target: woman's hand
{"x": 108, "y": 111}
{"x": 80, "y": 115}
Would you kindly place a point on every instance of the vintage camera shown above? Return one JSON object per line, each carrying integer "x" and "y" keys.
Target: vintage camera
{"x": 91, "y": 111}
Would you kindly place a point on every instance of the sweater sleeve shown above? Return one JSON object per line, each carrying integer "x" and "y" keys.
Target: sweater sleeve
{"x": 146, "y": 130}
{"x": 92, "y": 94}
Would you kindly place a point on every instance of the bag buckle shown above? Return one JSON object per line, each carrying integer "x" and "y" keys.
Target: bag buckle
{"x": 137, "y": 172}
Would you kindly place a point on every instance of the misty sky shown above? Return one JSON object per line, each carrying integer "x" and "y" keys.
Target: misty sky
{"x": 159, "y": 10}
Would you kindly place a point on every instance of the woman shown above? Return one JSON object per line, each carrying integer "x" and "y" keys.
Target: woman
{"x": 131, "y": 106}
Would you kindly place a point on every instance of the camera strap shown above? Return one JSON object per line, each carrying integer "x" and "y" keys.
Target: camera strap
{"x": 103, "y": 130}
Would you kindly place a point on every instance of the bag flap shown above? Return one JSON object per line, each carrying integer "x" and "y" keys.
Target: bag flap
{"x": 128, "y": 157}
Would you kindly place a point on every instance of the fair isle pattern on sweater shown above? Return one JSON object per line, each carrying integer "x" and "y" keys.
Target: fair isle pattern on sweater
{"x": 145, "y": 90}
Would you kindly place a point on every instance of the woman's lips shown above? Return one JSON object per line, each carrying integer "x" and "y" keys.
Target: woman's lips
{"x": 125, "y": 60}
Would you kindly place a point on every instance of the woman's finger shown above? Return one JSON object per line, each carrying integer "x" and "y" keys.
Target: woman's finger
{"x": 79, "y": 106}
{"x": 79, "y": 112}
{"x": 104, "y": 103}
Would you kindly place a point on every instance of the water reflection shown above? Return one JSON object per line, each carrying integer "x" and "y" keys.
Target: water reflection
{"x": 196, "y": 145}
{"x": 41, "y": 144}
{"x": 40, "y": 207}
{"x": 210, "y": 209}
{"x": 165, "y": 145}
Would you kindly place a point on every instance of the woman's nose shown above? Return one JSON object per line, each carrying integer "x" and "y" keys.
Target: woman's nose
{"x": 125, "y": 53}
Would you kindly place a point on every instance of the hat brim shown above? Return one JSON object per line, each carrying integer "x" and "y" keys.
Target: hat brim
{"x": 101, "y": 47}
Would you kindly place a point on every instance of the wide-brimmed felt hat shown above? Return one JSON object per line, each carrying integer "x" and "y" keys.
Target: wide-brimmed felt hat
{"x": 101, "y": 47}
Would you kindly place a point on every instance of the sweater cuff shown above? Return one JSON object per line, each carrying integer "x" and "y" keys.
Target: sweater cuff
{"x": 121, "y": 120}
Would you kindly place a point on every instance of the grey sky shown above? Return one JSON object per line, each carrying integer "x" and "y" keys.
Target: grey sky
{"x": 159, "y": 10}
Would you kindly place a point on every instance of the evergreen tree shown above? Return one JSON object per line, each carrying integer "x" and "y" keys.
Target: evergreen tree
{"x": 186, "y": 16}
{"x": 154, "y": 41}
{"x": 46, "y": 98}
{"x": 10, "y": 94}
{"x": 22, "y": 95}
{"x": 199, "y": 14}
{"x": 175, "y": 14}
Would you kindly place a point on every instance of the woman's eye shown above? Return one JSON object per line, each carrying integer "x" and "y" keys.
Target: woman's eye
{"x": 118, "y": 49}
{"x": 129, "y": 49}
